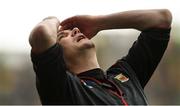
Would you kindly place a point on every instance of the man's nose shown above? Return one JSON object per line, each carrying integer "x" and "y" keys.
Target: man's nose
{"x": 75, "y": 31}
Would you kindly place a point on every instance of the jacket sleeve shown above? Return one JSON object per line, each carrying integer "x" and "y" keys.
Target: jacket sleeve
{"x": 146, "y": 53}
{"x": 51, "y": 75}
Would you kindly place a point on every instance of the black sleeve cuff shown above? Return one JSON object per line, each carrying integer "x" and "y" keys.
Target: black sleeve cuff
{"x": 157, "y": 33}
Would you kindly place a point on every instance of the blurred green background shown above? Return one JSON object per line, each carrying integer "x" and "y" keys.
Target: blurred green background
{"x": 17, "y": 79}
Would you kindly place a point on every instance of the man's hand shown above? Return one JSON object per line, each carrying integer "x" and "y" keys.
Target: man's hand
{"x": 88, "y": 25}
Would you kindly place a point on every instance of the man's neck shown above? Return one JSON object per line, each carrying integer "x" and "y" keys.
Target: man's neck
{"x": 83, "y": 62}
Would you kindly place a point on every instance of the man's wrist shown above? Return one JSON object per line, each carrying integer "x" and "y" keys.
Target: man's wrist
{"x": 101, "y": 22}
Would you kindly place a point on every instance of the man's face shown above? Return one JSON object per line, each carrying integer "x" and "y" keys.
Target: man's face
{"x": 73, "y": 42}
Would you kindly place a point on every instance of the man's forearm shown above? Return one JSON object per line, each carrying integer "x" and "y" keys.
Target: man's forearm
{"x": 138, "y": 19}
{"x": 44, "y": 34}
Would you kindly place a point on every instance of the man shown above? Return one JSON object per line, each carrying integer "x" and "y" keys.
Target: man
{"x": 66, "y": 66}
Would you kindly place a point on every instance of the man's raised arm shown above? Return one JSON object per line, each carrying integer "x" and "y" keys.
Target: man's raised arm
{"x": 44, "y": 35}
{"x": 138, "y": 19}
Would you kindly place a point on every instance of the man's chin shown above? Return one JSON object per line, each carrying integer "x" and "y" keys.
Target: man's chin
{"x": 87, "y": 45}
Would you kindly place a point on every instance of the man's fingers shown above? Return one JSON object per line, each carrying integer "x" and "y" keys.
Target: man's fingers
{"x": 66, "y": 26}
{"x": 68, "y": 20}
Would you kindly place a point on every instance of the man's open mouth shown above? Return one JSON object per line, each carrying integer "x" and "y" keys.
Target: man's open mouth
{"x": 80, "y": 37}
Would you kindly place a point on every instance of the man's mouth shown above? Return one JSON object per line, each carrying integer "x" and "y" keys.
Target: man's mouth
{"x": 80, "y": 37}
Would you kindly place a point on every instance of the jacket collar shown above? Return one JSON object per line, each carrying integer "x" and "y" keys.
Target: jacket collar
{"x": 96, "y": 73}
